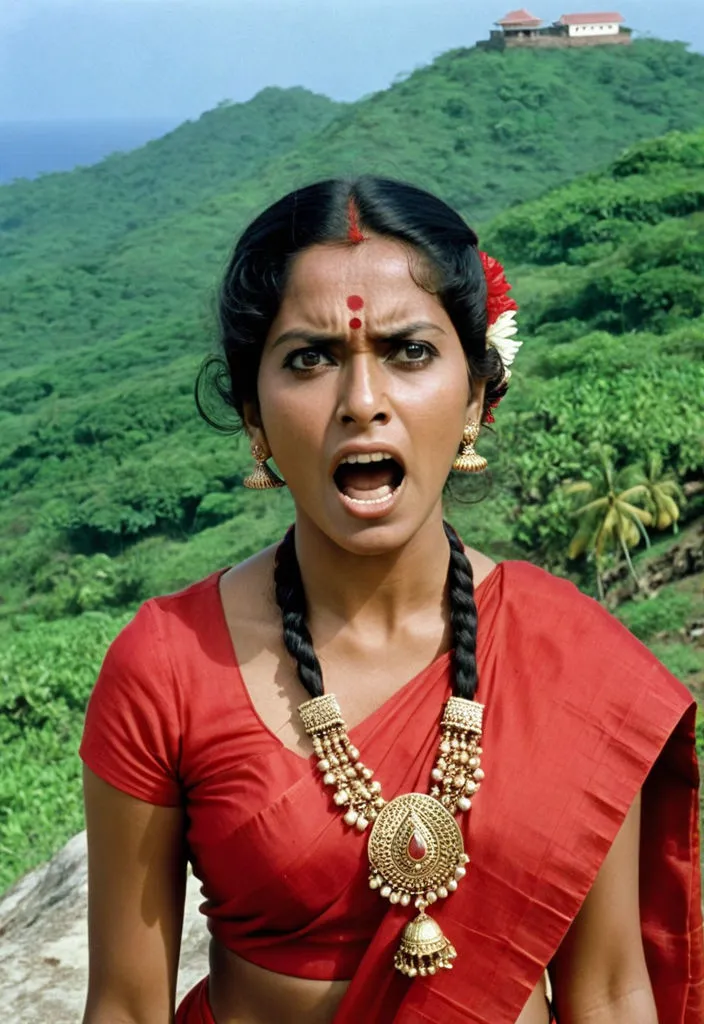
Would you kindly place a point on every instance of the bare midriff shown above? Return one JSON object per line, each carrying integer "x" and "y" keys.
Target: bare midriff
{"x": 242, "y": 993}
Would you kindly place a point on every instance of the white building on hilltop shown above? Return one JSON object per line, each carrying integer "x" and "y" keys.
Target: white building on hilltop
{"x": 522, "y": 28}
{"x": 601, "y": 24}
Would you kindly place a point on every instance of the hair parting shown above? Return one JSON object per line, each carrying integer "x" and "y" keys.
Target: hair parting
{"x": 354, "y": 233}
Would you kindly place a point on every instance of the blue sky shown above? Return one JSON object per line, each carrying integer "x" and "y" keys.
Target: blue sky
{"x": 92, "y": 59}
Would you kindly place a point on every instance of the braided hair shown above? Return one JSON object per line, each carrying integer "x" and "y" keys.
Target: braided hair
{"x": 291, "y": 599}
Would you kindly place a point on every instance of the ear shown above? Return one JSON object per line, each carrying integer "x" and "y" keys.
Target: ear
{"x": 475, "y": 405}
{"x": 253, "y": 423}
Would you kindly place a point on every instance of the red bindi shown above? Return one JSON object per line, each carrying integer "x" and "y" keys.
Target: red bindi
{"x": 355, "y": 323}
{"x": 355, "y": 302}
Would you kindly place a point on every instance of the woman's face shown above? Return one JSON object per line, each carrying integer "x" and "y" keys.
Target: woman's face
{"x": 363, "y": 395}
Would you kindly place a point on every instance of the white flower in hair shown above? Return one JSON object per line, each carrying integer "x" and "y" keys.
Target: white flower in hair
{"x": 500, "y": 335}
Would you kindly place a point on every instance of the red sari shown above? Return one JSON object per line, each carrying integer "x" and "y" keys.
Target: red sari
{"x": 579, "y": 718}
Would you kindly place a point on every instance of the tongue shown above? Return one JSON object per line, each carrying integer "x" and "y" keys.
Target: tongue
{"x": 366, "y": 482}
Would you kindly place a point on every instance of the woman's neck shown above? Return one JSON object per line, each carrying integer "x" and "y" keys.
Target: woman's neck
{"x": 376, "y": 593}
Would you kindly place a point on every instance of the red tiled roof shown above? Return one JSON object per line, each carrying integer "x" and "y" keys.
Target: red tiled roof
{"x": 520, "y": 17}
{"x": 600, "y": 18}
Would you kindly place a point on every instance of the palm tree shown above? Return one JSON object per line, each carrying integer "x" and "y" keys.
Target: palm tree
{"x": 608, "y": 517}
{"x": 664, "y": 493}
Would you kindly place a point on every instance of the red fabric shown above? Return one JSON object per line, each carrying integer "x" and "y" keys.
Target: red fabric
{"x": 580, "y": 716}
{"x": 194, "y": 1008}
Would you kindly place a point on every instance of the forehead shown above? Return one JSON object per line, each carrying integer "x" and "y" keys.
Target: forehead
{"x": 380, "y": 271}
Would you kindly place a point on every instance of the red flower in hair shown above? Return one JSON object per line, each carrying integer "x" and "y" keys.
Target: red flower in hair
{"x": 501, "y": 320}
{"x": 497, "y": 300}
{"x": 488, "y": 415}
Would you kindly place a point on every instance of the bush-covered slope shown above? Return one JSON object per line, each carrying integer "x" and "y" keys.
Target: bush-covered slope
{"x": 67, "y": 216}
{"x": 102, "y": 454}
{"x": 490, "y": 129}
{"x": 636, "y": 234}
{"x": 593, "y": 215}
{"x": 485, "y": 130}
{"x": 45, "y": 679}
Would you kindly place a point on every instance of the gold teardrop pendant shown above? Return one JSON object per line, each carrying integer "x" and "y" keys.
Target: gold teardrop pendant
{"x": 423, "y": 949}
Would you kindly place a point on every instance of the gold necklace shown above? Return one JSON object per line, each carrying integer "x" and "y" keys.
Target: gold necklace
{"x": 415, "y": 848}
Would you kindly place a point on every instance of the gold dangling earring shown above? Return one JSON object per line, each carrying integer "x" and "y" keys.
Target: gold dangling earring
{"x": 262, "y": 478}
{"x": 467, "y": 460}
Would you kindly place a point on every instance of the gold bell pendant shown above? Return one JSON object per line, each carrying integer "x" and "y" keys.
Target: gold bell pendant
{"x": 262, "y": 478}
{"x": 467, "y": 459}
{"x": 423, "y": 949}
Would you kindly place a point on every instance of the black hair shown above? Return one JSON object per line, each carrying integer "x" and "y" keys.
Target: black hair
{"x": 291, "y": 599}
{"x": 446, "y": 263}
{"x": 255, "y": 279}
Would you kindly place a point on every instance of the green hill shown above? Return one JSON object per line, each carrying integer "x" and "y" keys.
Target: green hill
{"x": 111, "y": 489}
{"x": 70, "y": 215}
{"x": 102, "y": 455}
{"x": 485, "y": 130}
{"x": 99, "y": 449}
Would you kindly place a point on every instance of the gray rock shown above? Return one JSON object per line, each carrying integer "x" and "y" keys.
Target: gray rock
{"x": 44, "y": 941}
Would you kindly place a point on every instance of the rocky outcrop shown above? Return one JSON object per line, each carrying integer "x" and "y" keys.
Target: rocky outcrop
{"x": 43, "y": 941}
{"x": 683, "y": 559}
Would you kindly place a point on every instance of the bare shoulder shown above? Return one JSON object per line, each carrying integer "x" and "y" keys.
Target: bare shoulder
{"x": 481, "y": 564}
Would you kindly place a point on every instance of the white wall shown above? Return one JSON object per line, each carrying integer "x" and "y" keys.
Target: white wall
{"x": 607, "y": 29}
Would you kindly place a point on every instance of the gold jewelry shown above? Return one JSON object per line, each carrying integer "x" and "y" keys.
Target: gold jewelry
{"x": 467, "y": 460}
{"x": 262, "y": 477}
{"x": 415, "y": 847}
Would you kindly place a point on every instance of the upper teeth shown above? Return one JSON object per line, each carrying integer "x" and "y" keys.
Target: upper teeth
{"x": 366, "y": 457}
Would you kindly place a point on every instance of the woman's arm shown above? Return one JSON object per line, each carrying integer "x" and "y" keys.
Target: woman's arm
{"x": 136, "y": 893}
{"x": 599, "y": 971}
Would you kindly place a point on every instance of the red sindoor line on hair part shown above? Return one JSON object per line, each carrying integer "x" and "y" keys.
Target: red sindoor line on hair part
{"x": 354, "y": 303}
{"x": 354, "y": 233}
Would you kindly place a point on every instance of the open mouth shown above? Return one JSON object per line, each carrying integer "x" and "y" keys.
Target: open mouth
{"x": 369, "y": 479}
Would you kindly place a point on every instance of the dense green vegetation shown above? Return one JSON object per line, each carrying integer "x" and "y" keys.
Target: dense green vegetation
{"x": 46, "y": 676}
{"x": 111, "y": 488}
{"x": 59, "y": 214}
{"x": 486, "y": 130}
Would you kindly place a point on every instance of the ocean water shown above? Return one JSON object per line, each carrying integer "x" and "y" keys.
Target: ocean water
{"x": 28, "y": 149}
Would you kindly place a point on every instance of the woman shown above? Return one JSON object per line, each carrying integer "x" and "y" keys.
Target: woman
{"x": 365, "y": 339}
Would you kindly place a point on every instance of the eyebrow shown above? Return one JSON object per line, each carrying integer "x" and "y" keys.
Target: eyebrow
{"x": 313, "y": 338}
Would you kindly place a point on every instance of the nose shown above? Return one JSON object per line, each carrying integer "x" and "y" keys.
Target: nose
{"x": 362, "y": 397}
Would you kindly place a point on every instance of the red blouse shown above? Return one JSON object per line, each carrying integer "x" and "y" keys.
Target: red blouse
{"x": 579, "y": 717}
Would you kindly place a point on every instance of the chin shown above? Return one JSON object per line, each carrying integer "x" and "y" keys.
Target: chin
{"x": 376, "y": 534}
{"x": 374, "y": 539}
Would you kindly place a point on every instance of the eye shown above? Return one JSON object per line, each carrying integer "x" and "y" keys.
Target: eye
{"x": 416, "y": 353}
{"x": 306, "y": 359}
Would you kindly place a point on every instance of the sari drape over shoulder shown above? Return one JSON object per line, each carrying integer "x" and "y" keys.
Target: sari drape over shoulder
{"x": 579, "y": 717}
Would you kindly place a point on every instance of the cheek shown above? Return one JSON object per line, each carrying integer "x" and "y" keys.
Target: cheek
{"x": 438, "y": 413}
{"x": 290, "y": 419}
